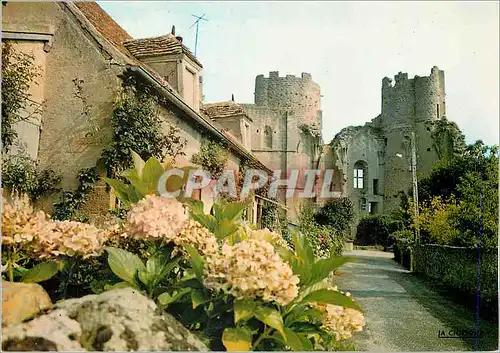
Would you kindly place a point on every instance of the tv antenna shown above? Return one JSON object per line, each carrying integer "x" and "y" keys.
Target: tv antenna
{"x": 197, "y": 23}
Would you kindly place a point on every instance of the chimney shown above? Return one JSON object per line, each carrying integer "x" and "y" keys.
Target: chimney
{"x": 173, "y": 30}
{"x": 232, "y": 97}
{"x": 179, "y": 39}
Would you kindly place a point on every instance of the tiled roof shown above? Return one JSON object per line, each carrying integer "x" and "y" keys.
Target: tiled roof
{"x": 156, "y": 46}
{"x": 222, "y": 109}
{"x": 108, "y": 28}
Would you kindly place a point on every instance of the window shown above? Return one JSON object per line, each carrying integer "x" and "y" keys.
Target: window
{"x": 362, "y": 204}
{"x": 190, "y": 88}
{"x": 375, "y": 186}
{"x": 437, "y": 109}
{"x": 358, "y": 178}
{"x": 268, "y": 137}
{"x": 372, "y": 208}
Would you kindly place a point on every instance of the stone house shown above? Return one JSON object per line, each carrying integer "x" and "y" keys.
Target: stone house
{"x": 83, "y": 53}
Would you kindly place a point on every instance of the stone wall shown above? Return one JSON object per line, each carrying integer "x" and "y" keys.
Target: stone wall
{"x": 363, "y": 147}
{"x": 65, "y": 144}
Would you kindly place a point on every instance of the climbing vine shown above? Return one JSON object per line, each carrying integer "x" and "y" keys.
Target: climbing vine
{"x": 70, "y": 201}
{"x": 86, "y": 107}
{"x": 311, "y": 129}
{"x": 213, "y": 157}
{"x": 447, "y": 138}
{"x": 18, "y": 74}
{"x": 137, "y": 126}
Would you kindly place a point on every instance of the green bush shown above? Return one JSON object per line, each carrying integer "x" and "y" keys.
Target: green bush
{"x": 337, "y": 213}
{"x": 450, "y": 199}
{"x": 375, "y": 230}
{"x": 457, "y": 268}
{"x": 323, "y": 238}
{"x": 19, "y": 174}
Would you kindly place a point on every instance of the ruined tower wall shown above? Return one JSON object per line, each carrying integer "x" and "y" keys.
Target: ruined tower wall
{"x": 409, "y": 105}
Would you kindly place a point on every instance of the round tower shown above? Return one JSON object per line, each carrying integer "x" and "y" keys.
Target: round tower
{"x": 300, "y": 95}
{"x": 409, "y": 105}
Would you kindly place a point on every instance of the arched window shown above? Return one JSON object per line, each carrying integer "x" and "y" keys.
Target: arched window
{"x": 360, "y": 175}
{"x": 268, "y": 137}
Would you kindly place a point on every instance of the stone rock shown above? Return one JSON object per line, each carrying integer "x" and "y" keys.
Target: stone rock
{"x": 21, "y": 301}
{"x": 117, "y": 320}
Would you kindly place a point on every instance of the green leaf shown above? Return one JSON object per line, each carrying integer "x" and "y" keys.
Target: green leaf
{"x": 165, "y": 299}
{"x": 303, "y": 248}
{"x": 138, "y": 163}
{"x": 303, "y": 313}
{"x": 121, "y": 189}
{"x": 196, "y": 261}
{"x": 305, "y": 290}
{"x": 145, "y": 277}
{"x": 326, "y": 296}
{"x": 124, "y": 264}
{"x": 225, "y": 228}
{"x": 198, "y": 297}
{"x": 306, "y": 327}
{"x": 293, "y": 340}
{"x": 218, "y": 209}
{"x": 151, "y": 173}
{"x": 243, "y": 309}
{"x": 117, "y": 286}
{"x": 234, "y": 210}
{"x": 270, "y": 317}
{"x": 41, "y": 272}
{"x": 159, "y": 265}
{"x": 132, "y": 176}
{"x": 322, "y": 268}
{"x": 237, "y": 339}
{"x": 306, "y": 342}
{"x": 206, "y": 220}
{"x": 134, "y": 195}
{"x": 195, "y": 206}
{"x": 304, "y": 259}
{"x": 19, "y": 271}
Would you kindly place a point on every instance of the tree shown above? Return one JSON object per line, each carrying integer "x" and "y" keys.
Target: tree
{"x": 337, "y": 213}
{"x": 467, "y": 186}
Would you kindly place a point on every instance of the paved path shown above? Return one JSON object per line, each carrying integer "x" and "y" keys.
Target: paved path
{"x": 403, "y": 312}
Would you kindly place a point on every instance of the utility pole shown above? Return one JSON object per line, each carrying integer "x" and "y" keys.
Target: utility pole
{"x": 197, "y": 23}
{"x": 415, "y": 184}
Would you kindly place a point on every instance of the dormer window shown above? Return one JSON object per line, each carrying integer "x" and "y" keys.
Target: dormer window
{"x": 171, "y": 59}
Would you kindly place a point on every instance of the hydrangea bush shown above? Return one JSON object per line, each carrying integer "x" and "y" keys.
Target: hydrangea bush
{"x": 238, "y": 288}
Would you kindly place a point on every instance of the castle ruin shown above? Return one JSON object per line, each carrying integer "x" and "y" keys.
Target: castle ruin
{"x": 371, "y": 163}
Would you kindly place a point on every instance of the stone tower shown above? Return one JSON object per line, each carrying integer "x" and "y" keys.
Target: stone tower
{"x": 286, "y": 125}
{"x": 409, "y": 105}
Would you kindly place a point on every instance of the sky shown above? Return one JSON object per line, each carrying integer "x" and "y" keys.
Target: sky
{"x": 348, "y": 47}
